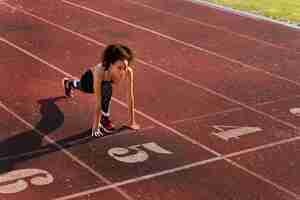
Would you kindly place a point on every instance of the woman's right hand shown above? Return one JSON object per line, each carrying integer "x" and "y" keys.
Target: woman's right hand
{"x": 132, "y": 125}
{"x": 97, "y": 132}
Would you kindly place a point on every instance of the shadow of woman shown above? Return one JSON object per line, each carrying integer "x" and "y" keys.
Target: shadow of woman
{"x": 51, "y": 119}
{"x": 27, "y": 145}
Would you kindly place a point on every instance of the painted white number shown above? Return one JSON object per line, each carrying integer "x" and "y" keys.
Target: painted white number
{"x": 18, "y": 180}
{"x": 227, "y": 132}
{"x": 136, "y": 153}
{"x": 295, "y": 111}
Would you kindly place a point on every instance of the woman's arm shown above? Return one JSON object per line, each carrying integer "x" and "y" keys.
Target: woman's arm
{"x": 98, "y": 75}
{"x": 130, "y": 100}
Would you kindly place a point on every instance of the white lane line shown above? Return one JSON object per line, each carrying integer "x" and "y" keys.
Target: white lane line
{"x": 195, "y": 142}
{"x": 244, "y": 14}
{"x": 50, "y": 149}
{"x": 186, "y": 167}
{"x": 230, "y": 110}
{"x": 69, "y": 154}
{"x": 141, "y": 178}
{"x": 276, "y": 76}
{"x": 260, "y": 177}
{"x": 262, "y": 147}
{"x": 278, "y": 100}
{"x": 216, "y": 27}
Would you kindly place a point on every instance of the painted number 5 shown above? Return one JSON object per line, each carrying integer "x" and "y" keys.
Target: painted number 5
{"x": 19, "y": 180}
{"x": 136, "y": 153}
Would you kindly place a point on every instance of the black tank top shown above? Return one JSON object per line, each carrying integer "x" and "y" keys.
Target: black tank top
{"x": 87, "y": 83}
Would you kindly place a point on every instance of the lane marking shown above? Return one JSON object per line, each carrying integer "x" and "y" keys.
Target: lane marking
{"x": 228, "y": 132}
{"x": 227, "y": 111}
{"x": 295, "y": 111}
{"x": 136, "y": 153}
{"x": 138, "y": 179}
{"x": 278, "y": 100}
{"x": 260, "y": 177}
{"x": 216, "y": 27}
{"x": 230, "y": 110}
{"x": 17, "y": 180}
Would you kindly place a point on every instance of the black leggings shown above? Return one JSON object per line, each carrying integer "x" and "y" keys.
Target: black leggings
{"x": 87, "y": 86}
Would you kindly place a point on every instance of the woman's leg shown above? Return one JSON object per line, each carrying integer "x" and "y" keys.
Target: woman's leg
{"x": 106, "y": 97}
{"x": 85, "y": 84}
{"x": 105, "y": 101}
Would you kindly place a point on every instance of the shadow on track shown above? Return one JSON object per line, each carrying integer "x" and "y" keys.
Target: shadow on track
{"x": 27, "y": 145}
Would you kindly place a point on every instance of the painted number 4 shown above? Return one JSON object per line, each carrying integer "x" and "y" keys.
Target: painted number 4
{"x": 228, "y": 132}
{"x": 136, "y": 153}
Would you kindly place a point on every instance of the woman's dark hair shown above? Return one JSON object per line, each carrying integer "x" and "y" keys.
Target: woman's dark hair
{"x": 115, "y": 52}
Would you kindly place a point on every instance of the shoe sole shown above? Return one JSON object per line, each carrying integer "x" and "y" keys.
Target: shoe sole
{"x": 63, "y": 85}
{"x": 107, "y": 131}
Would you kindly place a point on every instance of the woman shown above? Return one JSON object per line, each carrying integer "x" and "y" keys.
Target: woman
{"x": 115, "y": 66}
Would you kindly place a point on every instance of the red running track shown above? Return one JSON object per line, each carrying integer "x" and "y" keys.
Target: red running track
{"x": 198, "y": 69}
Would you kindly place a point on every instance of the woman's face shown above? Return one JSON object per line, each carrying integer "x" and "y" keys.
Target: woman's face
{"x": 118, "y": 70}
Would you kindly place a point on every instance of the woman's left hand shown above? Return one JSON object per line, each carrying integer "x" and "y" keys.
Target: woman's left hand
{"x": 133, "y": 125}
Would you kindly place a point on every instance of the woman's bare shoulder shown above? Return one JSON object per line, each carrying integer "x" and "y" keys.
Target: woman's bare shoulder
{"x": 97, "y": 69}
